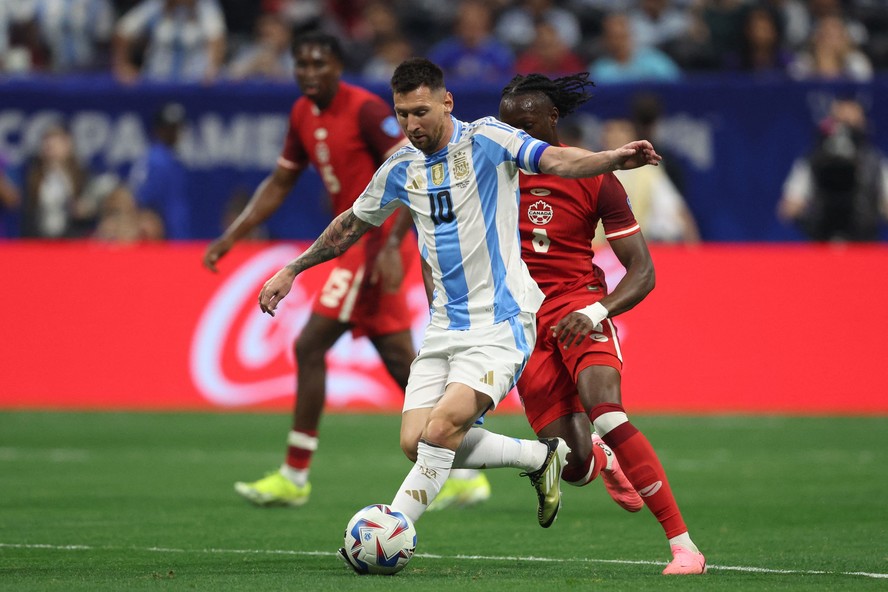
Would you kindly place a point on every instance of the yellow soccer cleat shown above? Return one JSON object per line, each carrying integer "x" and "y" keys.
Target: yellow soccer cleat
{"x": 547, "y": 480}
{"x": 462, "y": 493}
{"x": 274, "y": 490}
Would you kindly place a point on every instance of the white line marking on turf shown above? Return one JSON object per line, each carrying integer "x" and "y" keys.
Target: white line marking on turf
{"x": 763, "y": 570}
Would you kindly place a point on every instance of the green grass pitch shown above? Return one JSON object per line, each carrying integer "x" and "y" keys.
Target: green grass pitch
{"x": 144, "y": 501}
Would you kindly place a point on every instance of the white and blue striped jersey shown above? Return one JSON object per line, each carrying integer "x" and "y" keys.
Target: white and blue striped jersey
{"x": 177, "y": 47}
{"x": 464, "y": 202}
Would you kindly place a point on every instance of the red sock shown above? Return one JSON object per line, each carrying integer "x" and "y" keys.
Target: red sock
{"x": 300, "y": 447}
{"x": 641, "y": 466}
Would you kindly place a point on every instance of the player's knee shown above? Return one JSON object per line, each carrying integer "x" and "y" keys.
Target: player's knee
{"x": 308, "y": 353}
{"x": 408, "y": 446}
{"x": 439, "y": 431}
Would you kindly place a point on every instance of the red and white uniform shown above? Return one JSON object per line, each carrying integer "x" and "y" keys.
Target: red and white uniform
{"x": 346, "y": 142}
{"x": 557, "y": 222}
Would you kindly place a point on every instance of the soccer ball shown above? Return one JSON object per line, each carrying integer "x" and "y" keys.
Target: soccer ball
{"x": 379, "y": 540}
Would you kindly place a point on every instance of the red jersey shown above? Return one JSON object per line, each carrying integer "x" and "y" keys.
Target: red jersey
{"x": 557, "y": 222}
{"x": 346, "y": 142}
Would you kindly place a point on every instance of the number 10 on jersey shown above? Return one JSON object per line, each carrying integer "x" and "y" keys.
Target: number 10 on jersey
{"x": 441, "y": 206}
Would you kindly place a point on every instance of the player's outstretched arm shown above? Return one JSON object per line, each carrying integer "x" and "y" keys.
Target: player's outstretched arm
{"x": 574, "y": 162}
{"x": 337, "y": 238}
{"x": 265, "y": 201}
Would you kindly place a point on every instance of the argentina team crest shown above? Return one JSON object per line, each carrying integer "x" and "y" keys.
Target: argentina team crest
{"x": 460, "y": 166}
{"x": 540, "y": 213}
{"x": 437, "y": 173}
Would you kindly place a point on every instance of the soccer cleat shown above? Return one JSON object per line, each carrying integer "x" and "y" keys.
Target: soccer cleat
{"x": 462, "y": 493}
{"x": 685, "y": 562}
{"x": 343, "y": 555}
{"x": 547, "y": 480}
{"x": 274, "y": 490}
{"x": 615, "y": 480}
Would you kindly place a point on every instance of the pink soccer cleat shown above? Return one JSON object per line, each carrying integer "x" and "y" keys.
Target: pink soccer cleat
{"x": 615, "y": 480}
{"x": 685, "y": 562}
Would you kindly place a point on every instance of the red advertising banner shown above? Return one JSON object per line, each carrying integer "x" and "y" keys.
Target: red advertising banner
{"x": 729, "y": 328}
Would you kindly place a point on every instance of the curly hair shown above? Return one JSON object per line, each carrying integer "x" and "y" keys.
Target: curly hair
{"x": 567, "y": 93}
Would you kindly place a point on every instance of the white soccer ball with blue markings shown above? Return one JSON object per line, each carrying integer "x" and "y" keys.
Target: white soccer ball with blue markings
{"x": 379, "y": 540}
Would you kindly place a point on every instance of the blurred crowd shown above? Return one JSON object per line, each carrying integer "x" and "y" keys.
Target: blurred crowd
{"x": 617, "y": 40}
{"x": 203, "y": 41}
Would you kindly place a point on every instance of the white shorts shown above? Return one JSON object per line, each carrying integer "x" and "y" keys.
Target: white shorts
{"x": 487, "y": 359}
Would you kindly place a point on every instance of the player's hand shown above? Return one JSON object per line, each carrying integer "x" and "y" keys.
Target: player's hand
{"x": 275, "y": 290}
{"x": 216, "y": 251}
{"x": 636, "y": 154}
{"x": 388, "y": 269}
{"x": 574, "y": 328}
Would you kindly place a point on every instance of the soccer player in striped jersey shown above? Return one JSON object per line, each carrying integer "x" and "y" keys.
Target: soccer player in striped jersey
{"x": 459, "y": 181}
{"x": 345, "y": 132}
{"x": 573, "y": 375}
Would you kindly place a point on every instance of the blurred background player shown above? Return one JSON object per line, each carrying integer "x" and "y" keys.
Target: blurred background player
{"x": 573, "y": 375}
{"x": 345, "y": 132}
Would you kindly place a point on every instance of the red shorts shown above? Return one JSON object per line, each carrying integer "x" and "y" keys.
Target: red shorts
{"x": 349, "y": 297}
{"x": 548, "y": 385}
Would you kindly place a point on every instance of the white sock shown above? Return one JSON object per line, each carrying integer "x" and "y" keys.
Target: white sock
{"x": 481, "y": 449}
{"x": 298, "y": 477}
{"x": 424, "y": 481}
{"x": 464, "y": 474}
{"x": 684, "y": 540}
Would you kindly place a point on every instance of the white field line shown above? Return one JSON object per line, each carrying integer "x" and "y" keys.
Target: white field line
{"x": 748, "y": 569}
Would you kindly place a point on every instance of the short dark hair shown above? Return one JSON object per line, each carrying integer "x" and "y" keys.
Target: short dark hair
{"x": 566, "y": 93}
{"x": 330, "y": 42}
{"x": 416, "y": 72}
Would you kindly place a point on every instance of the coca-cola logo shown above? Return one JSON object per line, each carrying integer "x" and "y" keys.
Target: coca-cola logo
{"x": 240, "y": 357}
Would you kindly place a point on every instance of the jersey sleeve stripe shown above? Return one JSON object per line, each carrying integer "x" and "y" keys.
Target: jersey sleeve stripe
{"x": 530, "y": 153}
{"x": 395, "y": 181}
{"x": 623, "y": 232}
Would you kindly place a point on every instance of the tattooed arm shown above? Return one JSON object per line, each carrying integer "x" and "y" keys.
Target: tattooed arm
{"x": 336, "y": 239}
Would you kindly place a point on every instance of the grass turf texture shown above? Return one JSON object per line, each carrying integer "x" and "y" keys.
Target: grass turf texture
{"x": 114, "y": 501}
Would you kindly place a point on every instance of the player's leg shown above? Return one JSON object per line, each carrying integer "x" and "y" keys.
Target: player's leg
{"x": 397, "y": 353}
{"x": 599, "y": 387}
{"x": 487, "y": 358}
{"x": 289, "y": 485}
{"x": 445, "y": 433}
{"x": 465, "y": 487}
{"x": 553, "y": 408}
